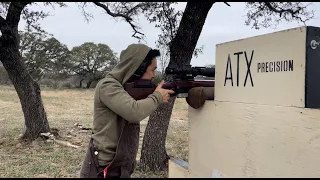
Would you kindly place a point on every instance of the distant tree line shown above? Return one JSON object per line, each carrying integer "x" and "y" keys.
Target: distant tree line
{"x": 51, "y": 63}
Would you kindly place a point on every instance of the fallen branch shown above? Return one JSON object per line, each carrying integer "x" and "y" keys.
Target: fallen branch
{"x": 65, "y": 143}
{"x": 50, "y": 137}
{"x": 81, "y": 127}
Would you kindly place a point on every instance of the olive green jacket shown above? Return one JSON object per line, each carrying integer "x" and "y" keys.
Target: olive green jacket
{"x": 112, "y": 101}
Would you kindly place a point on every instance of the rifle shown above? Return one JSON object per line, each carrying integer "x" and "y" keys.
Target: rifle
{"x": 183, "y": 81}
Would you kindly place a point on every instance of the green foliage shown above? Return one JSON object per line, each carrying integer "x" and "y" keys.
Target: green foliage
{"x": 92, "y": 61}
{"x": 167, "y": 19}
{"x": 31, "y": 44}
{"x": 57, "y": 55}
{"x": 43, "y": 55}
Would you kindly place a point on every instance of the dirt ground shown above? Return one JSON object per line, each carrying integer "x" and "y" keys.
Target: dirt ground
{"x": 65, "y": 108}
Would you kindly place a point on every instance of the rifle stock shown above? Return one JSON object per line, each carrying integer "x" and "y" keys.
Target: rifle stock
{"x": 143, "y": 88}
{"x": 140, "y": 89}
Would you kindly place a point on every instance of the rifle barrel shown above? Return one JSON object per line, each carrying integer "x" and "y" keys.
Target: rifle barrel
{"x": 209, "y": 72}
{"x": 195, "y": 71}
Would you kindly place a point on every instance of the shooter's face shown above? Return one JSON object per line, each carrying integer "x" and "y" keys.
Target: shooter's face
{"x": 151, "y": 70}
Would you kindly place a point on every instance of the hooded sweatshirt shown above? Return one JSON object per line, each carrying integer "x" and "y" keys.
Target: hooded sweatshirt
{"x": 111, "y": 102}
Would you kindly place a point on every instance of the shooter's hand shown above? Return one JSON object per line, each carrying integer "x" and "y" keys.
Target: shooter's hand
{"x": 164, "y": 92}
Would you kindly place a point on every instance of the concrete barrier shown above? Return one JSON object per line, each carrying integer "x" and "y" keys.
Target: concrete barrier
{"x": 265, "y": 119}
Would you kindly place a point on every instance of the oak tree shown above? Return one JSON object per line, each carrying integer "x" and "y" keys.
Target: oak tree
{"x": 44, "y": 56}
{"x": 27, "y": 88}
{"x": 92, "y": 61}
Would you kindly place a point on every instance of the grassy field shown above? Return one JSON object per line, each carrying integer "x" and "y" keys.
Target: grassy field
{"x": 65, "y": 108}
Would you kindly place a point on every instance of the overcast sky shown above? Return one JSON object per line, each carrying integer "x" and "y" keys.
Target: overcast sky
{"x": 223, "y": 24}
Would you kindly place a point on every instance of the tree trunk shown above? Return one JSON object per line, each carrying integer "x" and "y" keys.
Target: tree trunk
{"x": 27, "y": 89}
{"x": 81, "y": 83}
{"x": 89, "y": 84}
{"x": 29, "y": 94}
{"x": 153, "y": 152}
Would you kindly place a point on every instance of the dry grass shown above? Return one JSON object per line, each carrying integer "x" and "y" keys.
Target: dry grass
{"x": 65, "y": 108}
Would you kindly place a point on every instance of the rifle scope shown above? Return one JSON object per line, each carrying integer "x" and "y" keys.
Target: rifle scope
{"x": 194, "y": 71}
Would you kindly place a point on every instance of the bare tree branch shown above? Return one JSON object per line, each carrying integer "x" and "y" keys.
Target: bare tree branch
{"x": 280, "y": 11}
{"x": 86, "y": 15}
{"x": 126, "y": 17}
{"x": 293, "y": 13}
{"x": 133, "y": 10}
{"x": 266, "y": 14}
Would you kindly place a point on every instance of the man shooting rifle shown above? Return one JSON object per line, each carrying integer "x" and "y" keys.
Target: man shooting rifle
{"x": 114, "y": 143}
{"x": 122, "y": 99}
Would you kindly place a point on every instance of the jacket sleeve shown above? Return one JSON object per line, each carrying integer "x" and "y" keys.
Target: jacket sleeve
{"x": 119, "y": 101}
